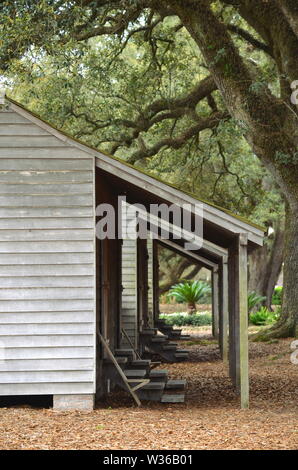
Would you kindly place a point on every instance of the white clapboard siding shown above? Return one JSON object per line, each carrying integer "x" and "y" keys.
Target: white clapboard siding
{"x": 25, "y": 141}
{"x": 46, "y": 329}
{"x": 20, "y": 129}
{"x": 12, "y": 271}
{"x": 27, "y": 365}
{"x": 45, "y": 376}
{"x": 47, "y": 261}
{"x": 46, "y": 247}
{"x": 45, "y": 281}
{"x": 46, "y": 164}
{"x": 129, "y": 293}
{"x": 45, "y": 305}
{"x": 45, "y": 177}
{"x": 20, "y": 200}
{"x": 44, "y": 212}
{"x": 61, "y": 151}
{"x": 45, "y": 341}
{"x": 50, "y": 189}
{"x": 48, "y": 234}
{"x": 45, "y": 318}
{"x": 46, "y": 258}
{"x": 37, "y": 353}
{"x": 51, "y": 388}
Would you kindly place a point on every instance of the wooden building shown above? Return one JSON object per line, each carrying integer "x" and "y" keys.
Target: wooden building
{"x": 61, "y": 302}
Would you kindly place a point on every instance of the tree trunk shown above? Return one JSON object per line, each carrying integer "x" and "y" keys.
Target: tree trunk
{"x": 287, "y": 326}
{"x": 191, "y": 308}
{"x": 269, "y": 126}
{"x": 265, "y": 264}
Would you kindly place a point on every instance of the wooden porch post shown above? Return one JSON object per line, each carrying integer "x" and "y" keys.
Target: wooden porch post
{"x": 215, "y": 303}
{"x": 155, "y": 280}
{"x": 238, "y": 318}
{"x": 224, "y": 310}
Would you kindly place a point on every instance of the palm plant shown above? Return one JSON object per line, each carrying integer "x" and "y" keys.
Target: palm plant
{"x": 190, "y": 292}
{"x": 254, "y": 300}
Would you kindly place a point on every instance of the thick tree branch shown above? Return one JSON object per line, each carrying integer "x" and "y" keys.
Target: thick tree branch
{"x": 180, "y": 140}
{"x": 250, "y": 39}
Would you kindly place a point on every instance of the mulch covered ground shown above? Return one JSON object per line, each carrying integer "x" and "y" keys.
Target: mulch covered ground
{"x": 210, "y": 418}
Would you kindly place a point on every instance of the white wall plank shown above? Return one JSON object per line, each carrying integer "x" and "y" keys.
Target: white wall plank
{"x": 62, "y": 352}
{"x": 46, "y": 388}
{"x": 46, "y": 364}
{"x": 31, "y": 141}
{"x": 46, "y": 317}
{"x": 42, "y": 223}
{"x": 59, "y": 151}
{"x": 28, "y": 164}
{"x": 47, "y": 270}
{"x": 50, "y": 189}
{"x": 48, "y": 258}
{"x": 13, "y": 377}
{"x": 46, "y": 341}
{"x": 48, "y": 234}
{"x": 45, "y": 177}
{"x": 20, "y": 129}
{"x": 45, "y": 281}
{"x": 40, "y": 293}
{"x": 46, "y": 201}
{"x": 46, "y": 329}
{"x": 46, "y": 247}
{"x": 46, "y": 305}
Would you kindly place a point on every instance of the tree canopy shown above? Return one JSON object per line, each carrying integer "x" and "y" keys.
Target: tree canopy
{"x": 195, "y": 89}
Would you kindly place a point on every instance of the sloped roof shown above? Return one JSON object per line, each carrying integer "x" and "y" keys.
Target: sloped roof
{"x": 244, "y": 225}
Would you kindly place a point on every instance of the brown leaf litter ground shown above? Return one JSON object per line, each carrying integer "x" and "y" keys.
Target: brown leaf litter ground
{"x": 209, "y": 419}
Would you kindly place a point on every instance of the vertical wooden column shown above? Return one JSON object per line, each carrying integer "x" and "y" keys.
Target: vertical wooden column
{"x": 238, "y": 318}
{"x": 215, "y": 303}
{"x": 155, "y": 281}
{"x": 225, "y": 311}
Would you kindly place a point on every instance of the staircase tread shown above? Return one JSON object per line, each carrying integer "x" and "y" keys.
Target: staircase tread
{"x": 135, "y": 373}
{"x": 158, "y": 372}
{"x": 168, "y": 398}
{"x": 180, "y": 384}
{"x": 123, "y": 352}
{"x": 120, "y": 360}
{"x": 154, "y": 386}
{"x": 141, "y": 362}
{"x": 159, "y": 339}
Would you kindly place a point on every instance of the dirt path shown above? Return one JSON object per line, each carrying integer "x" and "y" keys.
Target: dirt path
{"x": 210, "y": 418}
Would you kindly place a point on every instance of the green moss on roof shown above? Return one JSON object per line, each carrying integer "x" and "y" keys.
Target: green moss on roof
{"x": 242, "y": 219}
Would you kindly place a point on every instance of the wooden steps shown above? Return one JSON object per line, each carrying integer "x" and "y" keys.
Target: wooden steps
{"x": 170, "y": 331}
{"x": 176, "y": 384}
{"x": 159, "y": 344}
{"x": 153, "y": 384}
{"x": 167, "y": 398}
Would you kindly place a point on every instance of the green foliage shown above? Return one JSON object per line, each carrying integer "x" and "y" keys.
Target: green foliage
{"x": 277, "y": 296}
{"x": 263, "y": 317}
{"x": 254, "y": 300}
{"x": 178, "y": 319}
{"x": 190, "y": 292}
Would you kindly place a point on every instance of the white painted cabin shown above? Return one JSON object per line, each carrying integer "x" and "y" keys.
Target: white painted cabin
{"x": 54, "y": 297}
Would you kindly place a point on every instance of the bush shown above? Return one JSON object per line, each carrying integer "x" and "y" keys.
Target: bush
{"x": 253, "y": 300}
{"x": 190, "y": 292}
{"x": 277, "y": 296}
{"x": 263, "y": 317}
{"x": 180, "y": 319}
